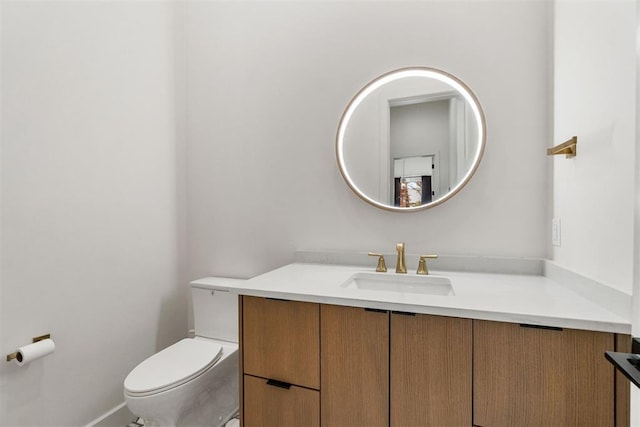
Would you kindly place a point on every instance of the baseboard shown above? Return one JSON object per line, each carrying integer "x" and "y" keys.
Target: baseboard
{"x": 119, "y": 416}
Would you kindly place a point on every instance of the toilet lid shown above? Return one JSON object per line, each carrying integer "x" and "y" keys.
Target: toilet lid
{"x": 173, "y": 366}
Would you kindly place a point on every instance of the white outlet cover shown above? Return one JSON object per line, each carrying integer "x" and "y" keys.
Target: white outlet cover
{"x": 555, "y": 232}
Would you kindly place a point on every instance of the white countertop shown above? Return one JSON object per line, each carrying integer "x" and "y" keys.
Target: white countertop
{"x": 514, "y": 298}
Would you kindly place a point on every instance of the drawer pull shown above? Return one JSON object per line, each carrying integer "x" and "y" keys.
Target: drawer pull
{"x": 279, "y": 384}
{"x": 549, "y": 328}
{"x": 375, "y": 310}
{"x": 403, "y": 313}
{"x": 276, "y": 299}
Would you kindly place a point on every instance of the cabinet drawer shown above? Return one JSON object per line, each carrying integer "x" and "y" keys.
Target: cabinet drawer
{"x": 281, "y": 340}
{"x": 278, "y": 405}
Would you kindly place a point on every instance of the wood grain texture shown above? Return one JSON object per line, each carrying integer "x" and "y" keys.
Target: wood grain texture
{"x": 281, "y": 340}
{"x": 240, "y": 363}
{"x": 623, "y": 386}
{"x": 355, "y": 367}
{"x": 537, "y": 377}
{"x": 269, "y": 406}
{"x": 431, "y": 371}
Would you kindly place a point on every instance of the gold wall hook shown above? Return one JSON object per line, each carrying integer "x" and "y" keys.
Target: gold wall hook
{"x": 382, "y": 266}
{"x": 422, "y": 263}
{"x": 569, "y": 148}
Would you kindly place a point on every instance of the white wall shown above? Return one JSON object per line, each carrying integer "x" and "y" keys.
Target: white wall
{"x": 595, "y": 66}
{"x": 89, "y": 189}
{"x": 2, "y": 392}
{"x": 635, "y": 324}
{"x": 594, "y": 99}
{"x": 268, "y": 82}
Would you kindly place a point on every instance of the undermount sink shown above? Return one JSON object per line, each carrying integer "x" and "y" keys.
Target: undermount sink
{"x": 389, "y": 282}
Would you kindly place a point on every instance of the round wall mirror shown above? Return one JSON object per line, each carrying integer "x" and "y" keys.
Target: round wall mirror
{"x": 410, "y": 139}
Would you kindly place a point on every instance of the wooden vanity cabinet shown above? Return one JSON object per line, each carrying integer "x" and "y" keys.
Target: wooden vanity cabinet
{"x": 280, "y": 348}
{"x": 532, "y": 376}
{"x": 398, "y": 369}
{"x": 307, "y": 364}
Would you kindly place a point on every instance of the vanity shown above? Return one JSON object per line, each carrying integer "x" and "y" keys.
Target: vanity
{"x": 492, "y": 350}
{"x": 332, "y": 341}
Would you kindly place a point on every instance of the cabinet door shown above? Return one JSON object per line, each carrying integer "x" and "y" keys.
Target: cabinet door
{"x": 281, "y": 340}
{"x": 527, "y": 376}
{"x": 431, "y": 371}
{"x": 268, "y": 405}
{"x": 355, "y": 367}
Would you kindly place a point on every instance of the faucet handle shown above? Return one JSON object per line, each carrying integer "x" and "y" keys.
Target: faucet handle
{"x": 382, "y": 266}
{"x": 422, "y": 263}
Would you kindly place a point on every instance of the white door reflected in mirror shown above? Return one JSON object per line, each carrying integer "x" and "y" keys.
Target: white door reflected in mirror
{"x": 410, "y": 139}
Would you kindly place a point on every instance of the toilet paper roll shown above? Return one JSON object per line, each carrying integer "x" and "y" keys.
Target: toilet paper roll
{"x": 31, "y": 352}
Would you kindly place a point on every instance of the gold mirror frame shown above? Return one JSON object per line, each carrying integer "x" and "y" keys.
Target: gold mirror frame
{"x": 388, "y": 77}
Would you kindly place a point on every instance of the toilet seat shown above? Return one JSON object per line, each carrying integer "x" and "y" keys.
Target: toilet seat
{"x": 172, "y": 367}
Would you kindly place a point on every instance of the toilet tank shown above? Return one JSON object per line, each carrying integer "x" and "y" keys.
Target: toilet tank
{"x": 215, "y": 312}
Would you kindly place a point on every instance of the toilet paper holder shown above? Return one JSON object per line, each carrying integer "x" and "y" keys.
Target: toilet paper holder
{"x": 12, "y": 356}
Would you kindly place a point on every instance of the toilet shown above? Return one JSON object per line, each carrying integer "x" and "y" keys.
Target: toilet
{"x": 193, "y": 382}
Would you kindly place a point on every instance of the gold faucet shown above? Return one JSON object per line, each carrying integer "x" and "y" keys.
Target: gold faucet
{"x": 400, "y": 265}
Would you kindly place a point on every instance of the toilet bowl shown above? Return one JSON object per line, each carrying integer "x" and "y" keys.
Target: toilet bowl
{"x": 193, "y": 382}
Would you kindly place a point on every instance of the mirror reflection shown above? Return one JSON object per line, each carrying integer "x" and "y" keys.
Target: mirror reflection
{"x": 410, "y": 139}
